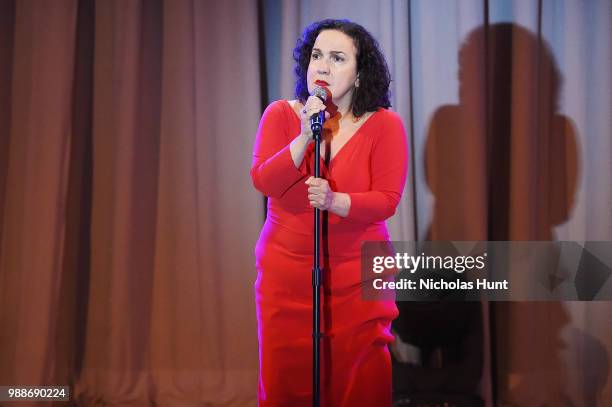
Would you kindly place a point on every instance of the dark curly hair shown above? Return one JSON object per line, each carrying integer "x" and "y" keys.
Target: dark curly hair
{"x": 374, "y": 77}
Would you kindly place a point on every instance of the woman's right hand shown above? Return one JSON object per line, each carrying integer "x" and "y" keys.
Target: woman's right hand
{"x": 299, "y": 144}
{"x": 313, "y": 105}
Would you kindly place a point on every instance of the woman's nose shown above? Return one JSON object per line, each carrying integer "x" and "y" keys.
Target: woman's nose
{"x": 323, "y": 66}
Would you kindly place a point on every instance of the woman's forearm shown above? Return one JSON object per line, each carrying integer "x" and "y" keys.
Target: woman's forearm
{"x": 298, "y": 149}
{"x": 341, "y": 204}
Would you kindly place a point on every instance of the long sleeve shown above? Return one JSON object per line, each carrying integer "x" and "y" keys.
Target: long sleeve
{"x": 389, "y": 162}
{"x": 273, "y": 171}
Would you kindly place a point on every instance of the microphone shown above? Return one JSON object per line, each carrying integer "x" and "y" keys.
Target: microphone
{"x": 317, "y": 119}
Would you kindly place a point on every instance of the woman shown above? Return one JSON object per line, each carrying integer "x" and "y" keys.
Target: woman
{"x": 363, "y": 175}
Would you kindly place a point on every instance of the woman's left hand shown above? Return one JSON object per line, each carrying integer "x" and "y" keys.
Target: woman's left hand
{"x": 320, "y": 194}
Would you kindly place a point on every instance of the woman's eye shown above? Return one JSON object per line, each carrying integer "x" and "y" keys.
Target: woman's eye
{"x": 337, "y": 58}
{"x": 315, "y": 56}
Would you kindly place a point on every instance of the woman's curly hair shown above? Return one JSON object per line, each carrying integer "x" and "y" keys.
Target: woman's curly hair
{"x": 374, "y": 77}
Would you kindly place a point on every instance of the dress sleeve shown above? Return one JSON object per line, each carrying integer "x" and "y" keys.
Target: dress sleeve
{"x": 389, "y": 163}
{"x": 273, "y": 171}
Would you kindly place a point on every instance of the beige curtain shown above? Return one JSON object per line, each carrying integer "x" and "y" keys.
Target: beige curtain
{"x": 127, "y": 217}
{"x": 36, "y": 149}
{"x": 508, "y": 103}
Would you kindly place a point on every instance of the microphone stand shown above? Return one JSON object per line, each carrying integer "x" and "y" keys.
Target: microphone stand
{"x": 317, "y": 272}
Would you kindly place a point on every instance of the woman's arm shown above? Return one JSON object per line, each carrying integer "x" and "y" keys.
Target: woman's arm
{"x": 276, "y": 163}
{"x": 389, "y": 165}
{"x": 298, "y": 148}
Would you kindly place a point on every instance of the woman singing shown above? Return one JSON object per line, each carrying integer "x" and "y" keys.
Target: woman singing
{"x": 363, "y": 176}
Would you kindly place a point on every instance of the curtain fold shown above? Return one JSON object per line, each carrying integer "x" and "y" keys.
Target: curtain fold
{"x": 128, "y": 219}
{"x": 125, "y": 145}
{"x": 35, "y": 181}
{"x": 207, "y": 210}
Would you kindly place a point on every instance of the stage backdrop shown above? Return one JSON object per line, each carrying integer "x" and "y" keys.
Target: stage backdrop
{"x": 128, "y": 220}
{"x": 127, "y": 216}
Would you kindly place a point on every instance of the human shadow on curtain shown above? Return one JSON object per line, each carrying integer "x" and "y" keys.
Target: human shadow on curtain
{"x": 502, "y": 164}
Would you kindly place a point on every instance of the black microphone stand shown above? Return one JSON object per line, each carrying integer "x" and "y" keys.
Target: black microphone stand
{"x": 316, "y": 126}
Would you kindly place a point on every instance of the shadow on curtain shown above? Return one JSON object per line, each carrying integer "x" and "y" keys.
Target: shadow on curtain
{"x": 502, "y": 165}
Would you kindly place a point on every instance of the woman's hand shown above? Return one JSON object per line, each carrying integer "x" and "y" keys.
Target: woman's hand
{"x": 320, "y": 194}
{"x": 300, "y": 143}
{"x": 313, "y": 105}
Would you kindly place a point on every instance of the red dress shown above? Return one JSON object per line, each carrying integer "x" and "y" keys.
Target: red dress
{"x": 355, "y": 363}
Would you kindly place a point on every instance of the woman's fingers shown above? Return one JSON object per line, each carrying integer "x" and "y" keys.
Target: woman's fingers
{"x": 316, "y": 182}
{"x": 312, "y": 106}
{"x": 318, "y": 192}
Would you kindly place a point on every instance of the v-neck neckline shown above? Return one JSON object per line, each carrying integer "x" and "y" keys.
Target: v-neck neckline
{"x": 345, "y": 144}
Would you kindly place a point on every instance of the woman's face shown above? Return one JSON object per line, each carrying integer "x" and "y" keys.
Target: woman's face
{"x": 333, "y": 64}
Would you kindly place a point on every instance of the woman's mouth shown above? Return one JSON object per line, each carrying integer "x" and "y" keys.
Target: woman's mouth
{"x": 321, "y": 83}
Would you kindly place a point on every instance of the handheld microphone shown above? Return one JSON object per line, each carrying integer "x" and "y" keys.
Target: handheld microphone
{"x": 317, "y": 119}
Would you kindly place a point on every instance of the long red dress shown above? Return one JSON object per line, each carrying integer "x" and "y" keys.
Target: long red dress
{"x": 371, "y": 168}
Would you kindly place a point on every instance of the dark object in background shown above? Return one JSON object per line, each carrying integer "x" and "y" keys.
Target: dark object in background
{"x": 438, "y": 400}
{"x": 449, "y": 336}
